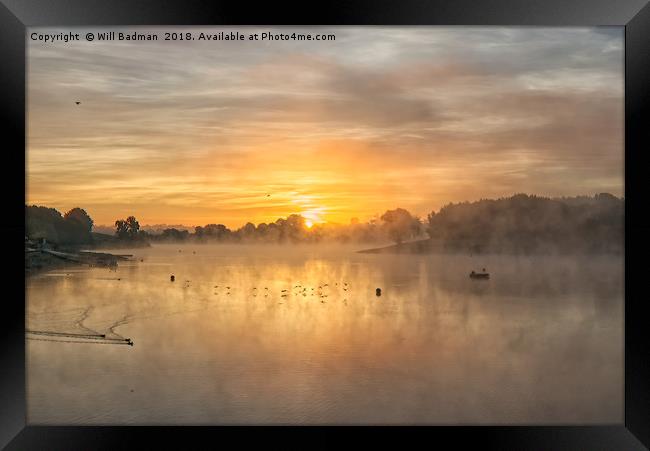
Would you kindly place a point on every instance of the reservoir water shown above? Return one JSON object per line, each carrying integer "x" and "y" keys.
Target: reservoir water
{"x": 284, "y": 335}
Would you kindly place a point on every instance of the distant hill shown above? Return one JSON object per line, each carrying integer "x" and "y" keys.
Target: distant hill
{"x": 106, "y": 241}
{"x": 104, "y": 238}
{"x": 104, "y": 229}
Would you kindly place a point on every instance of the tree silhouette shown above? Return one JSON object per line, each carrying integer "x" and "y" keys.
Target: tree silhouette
{"x": 121, "y": 229}
{"x": 175, "y": 234}
{"x": 133, "y": 226}
{"x": 49, "y": 224}
{"x": 531, "y": 224}
{"x": 79, "y": 216}
{"x": 400, "y": 225}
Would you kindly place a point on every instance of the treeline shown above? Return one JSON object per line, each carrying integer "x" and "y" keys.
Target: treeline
{"x": 74, "y": 227}
{"x": 524, "y": 224}
{"x": 396, "y": 225}
{"x": 517, "y": 224}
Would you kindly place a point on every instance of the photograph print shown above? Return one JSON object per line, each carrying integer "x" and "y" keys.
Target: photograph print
{"x": 347, "y": 225}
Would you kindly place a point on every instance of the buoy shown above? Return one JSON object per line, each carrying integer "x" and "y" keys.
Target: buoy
{"x": 378, "y": 291}
{"x": 172, "y": 278}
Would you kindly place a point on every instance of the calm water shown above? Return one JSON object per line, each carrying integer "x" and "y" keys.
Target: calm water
{"x": 541, "y": 342}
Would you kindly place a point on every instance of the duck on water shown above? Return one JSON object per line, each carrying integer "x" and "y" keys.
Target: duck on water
{"x": 479, "y": 275}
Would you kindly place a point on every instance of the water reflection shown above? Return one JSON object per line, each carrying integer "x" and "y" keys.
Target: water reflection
{"x": 268, "y": 335}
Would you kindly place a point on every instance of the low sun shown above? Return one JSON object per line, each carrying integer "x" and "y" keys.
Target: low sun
{"x": 313, "y": 216}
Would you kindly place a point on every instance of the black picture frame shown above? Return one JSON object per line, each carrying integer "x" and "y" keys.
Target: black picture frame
{"x": 16, "y": 15}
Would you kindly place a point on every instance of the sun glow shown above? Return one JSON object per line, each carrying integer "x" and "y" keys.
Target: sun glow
{"x": 312, "y": 214}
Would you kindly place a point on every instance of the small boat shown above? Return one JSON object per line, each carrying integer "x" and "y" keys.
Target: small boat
{"x": 479, "y": 275}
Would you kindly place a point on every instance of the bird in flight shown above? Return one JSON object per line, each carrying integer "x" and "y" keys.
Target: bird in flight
{"x": 77, "y": 102}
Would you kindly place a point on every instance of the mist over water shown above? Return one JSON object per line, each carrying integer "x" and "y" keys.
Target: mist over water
{"x": 540, "y": 342}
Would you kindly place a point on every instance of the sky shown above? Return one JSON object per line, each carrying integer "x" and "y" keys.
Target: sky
{"x": 198, "y": 132}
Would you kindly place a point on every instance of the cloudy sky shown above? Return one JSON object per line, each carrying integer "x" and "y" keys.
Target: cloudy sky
{"x": 229, "y": 132}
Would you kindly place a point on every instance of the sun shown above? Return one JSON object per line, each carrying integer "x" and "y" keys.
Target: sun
{"x": 313, "y": 216}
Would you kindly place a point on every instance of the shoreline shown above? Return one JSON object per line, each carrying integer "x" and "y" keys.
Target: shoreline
{"x": 432, "y": 247}
{"x": 41, "y": 260}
